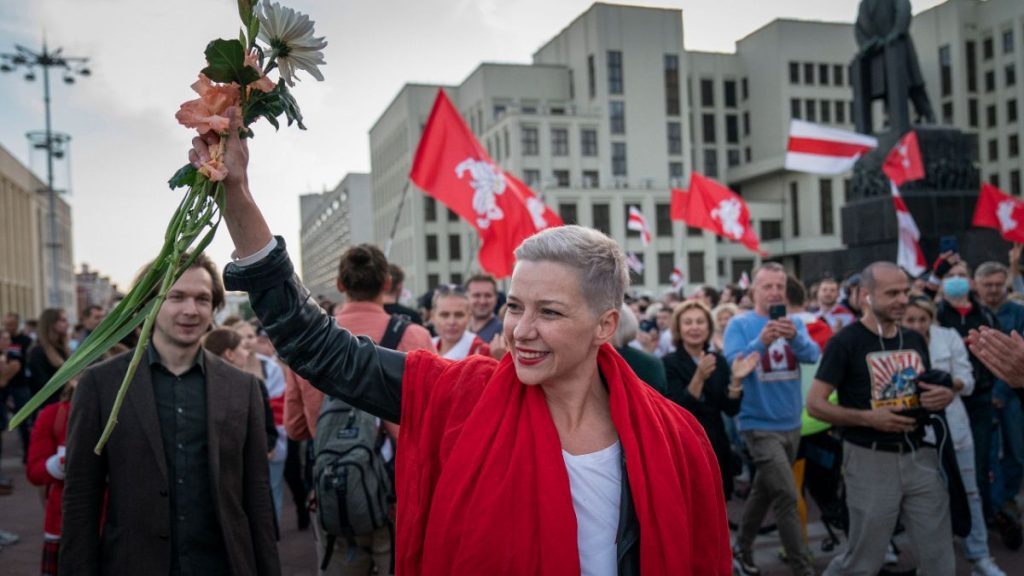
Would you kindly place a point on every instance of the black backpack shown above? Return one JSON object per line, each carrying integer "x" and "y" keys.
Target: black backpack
{"x": 353, "y": 483}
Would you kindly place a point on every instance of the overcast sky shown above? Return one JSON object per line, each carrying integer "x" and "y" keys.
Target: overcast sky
{"x": 145, "y": 55}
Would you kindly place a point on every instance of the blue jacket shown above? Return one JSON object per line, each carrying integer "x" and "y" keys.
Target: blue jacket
{"x": 772, "y": 398}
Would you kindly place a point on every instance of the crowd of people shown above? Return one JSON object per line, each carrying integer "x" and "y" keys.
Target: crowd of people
{"x": 563, "y": 425}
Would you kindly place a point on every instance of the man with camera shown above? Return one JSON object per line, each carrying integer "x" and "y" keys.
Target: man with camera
{"x": 875, "y": 366}
{"x": 769, "y": 418}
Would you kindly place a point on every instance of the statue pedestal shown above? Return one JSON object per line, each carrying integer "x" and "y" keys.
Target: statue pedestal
{"x": 942, "y": 204}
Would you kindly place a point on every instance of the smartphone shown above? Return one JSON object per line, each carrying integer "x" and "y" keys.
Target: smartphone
{"x": 648, "y": 325}
{"x": 948, "y": 244}
{"x": 776, "y": 311}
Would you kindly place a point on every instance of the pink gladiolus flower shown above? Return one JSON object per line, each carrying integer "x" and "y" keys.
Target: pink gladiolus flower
{"x": 206, "y": 112}
{"x": 214, "y": 168}
{"x": 264, "y": 84}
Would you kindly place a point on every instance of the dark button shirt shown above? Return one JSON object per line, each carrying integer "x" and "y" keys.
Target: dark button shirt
{"x": 197, "y": 544}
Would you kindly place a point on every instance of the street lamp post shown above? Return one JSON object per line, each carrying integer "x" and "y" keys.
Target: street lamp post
{"x": 72, "y": 66}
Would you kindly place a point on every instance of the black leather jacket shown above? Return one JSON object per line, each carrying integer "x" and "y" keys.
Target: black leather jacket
{"x": 353, "y": 368}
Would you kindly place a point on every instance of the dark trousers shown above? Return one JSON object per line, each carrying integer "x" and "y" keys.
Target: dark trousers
{"x": 18, "y": 396}
{"x": 981, "y": 412}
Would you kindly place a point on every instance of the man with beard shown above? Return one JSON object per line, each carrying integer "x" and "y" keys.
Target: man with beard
{"x": 890, "y": 474}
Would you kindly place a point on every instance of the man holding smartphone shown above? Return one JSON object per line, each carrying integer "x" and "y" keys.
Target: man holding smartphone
{"x": 769, "y": 419}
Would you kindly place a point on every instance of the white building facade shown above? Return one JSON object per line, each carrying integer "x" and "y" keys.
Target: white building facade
{"x": 332, "y": 222}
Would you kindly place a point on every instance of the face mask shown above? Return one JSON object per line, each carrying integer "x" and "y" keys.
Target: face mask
{"x": 956, "y": 287}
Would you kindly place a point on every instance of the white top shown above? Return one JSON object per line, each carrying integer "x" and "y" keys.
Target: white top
{"x": 595, "y": 481}
{"x": 461, "y": 348}
{"x": 947, "y": 351}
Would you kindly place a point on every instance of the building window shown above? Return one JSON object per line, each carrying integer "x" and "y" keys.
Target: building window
{"x": 663, "y": 219}
{"x": 945, "y": 70}
{"x": 970, "y": 47}
{"x": 675, "y": 138}
{"x": 1011, "y": 111}
{"x": 811, "y": 109}
{"x": 531, "y": 141}
{"x": 972, "y": 112}
{"x": 1010, "y": 75}
{"x": 452, "y": 216}
{"x": 990, "y": 81}
{"x": 771, "y": 230}
{"x": 730, "y": 93}
{"x": 430, "y": 209}
{"x": 618, "y": 159}
{"x": 993, "y": 179}
{"x": 588, "y": 142}
{"x": 987, "y": 48}
{"x": 794, "y": 108}
{"x": 431, "y": 247}
{"x": 990, "y": 116}
{"x": 528, "y": 109}
{"x": 666, "y": 263}
{"x": 947, "y": 112}
{"x": 695, "y": 267}
{"x": 532, "y": 177}
{"x": 732, "y": 129}
{"x": 617, "y": 112}
{"x": 672, "y": 85}
{"x": 823, "y": 74}
{"x": 847, "y": 189}
{"x": 710, "y": 162}
{"x": 455, "y": 278}
{"x": 675, "y": 173}
{"x": 732, "y": 157}
{"x": 825, "y": 205}
{"x": 794, "y": 207}
{"x": 591, "y": 80}
{"x": 745, "y": 89}
{"x": 1013, "y": 146}
{"x": 567, "y": 212}
{"x": 591, "y": 179}
{"x": 826, "y": 111}
{"x": 615, "y": 83}
{"x": 707, "y": 93}
{"x": 707, "y": 122}
{"x": 694, "y": 232}
{"x": 433, "y": 281}
{"x": 499, "y": 111}
{"x": 809, "y": 74}
{"x": 993, "y": 150}
{"x": 561, "y": 178}
{"x": 746, "y": 154}
{"x": 746, "y": 123}
{"x": 454, "y": 247}
{"x": 794, "y": 72}
{"x": 1015, "y": 182}
{"x": 559, "y": 141}
{"x": 837, "y": 74}
{"x": 840, "y": 112}
{"x": 602, "y": 218}
{"x": 1008, "y": 41}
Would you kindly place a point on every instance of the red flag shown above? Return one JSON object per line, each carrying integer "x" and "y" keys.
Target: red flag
{"x": 680, "y": 198}
{"x": 638, "y": 223}
{"x": 451, "y": 166}
{"x": 997, "y": 209}
{"x": 714, "y": 207}
{"x": 903, "y": 164}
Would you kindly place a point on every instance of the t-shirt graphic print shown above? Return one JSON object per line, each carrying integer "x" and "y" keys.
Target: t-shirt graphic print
{"x": 779, "y": 363}
{"x": 894, "y": 378}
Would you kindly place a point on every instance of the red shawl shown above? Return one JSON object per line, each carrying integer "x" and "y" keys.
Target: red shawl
{"x": 495, "y": 499}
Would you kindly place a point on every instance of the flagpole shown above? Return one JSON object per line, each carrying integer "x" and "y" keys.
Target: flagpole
{"x": 398, "y": 216}
{"x": 473, "y": 247}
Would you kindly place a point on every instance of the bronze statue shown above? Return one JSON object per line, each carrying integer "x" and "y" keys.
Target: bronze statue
{"x": 886, "y": 66}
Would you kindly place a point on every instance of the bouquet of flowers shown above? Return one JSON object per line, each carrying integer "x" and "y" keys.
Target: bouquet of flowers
{"x": 235, "y": 81}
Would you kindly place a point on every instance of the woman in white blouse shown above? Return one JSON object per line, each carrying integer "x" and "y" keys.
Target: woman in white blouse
{"x": 948, "y": 353}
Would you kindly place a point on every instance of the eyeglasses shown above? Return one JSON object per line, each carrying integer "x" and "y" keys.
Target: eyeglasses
{"x": 446, "y": 289}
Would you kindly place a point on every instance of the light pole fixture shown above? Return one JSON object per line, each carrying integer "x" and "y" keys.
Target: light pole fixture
{"x": 71, "y": 66}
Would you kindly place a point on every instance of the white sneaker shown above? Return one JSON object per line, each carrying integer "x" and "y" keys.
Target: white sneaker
{"x": 890, "y": 555}
{"x": 8, "y": 538}
{"x": 986, "y": 567}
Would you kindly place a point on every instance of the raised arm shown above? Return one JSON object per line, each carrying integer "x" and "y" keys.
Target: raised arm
{"x": 308, "y": 341}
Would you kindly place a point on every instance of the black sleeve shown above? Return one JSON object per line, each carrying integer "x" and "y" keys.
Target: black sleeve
{"x": 723, "y": 376}
{"x": 268, "y": 417}
{"x": 311, "y": 343}
{"x": 834, "y": 362}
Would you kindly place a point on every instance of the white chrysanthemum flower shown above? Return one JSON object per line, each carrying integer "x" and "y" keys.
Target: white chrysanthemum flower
{"x": 290, "y": 36}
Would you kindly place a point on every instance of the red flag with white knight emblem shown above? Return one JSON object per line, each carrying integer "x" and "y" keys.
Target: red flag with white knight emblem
{"x": 903, "y": 164}
{"x": 453, "y": 167}
{"x": 997, "y": 209}
{"x": 714, "y": 207}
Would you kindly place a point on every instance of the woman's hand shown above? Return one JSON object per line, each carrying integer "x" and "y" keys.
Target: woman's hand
{"x": 706, "y": 366}
{"x": 742, "y": 365}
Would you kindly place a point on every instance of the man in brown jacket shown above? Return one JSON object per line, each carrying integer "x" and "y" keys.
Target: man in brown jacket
{"x": 184, "y": 476}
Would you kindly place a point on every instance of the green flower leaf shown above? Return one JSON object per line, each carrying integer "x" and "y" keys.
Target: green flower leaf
{"x": 226, "y": 59}
{"x": 291, "y": 107}
{"x": 245, "y": 10}
{"x": 185, "y": 176}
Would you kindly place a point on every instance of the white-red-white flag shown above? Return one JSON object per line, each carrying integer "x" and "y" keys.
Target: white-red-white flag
{"x": 635, "y": 263}
{"x": 823, "y": 150}
{"x": 677, "y": 278}
{"x": 744, "y": 281}
{"x": 638, "y": 223}
{"x": 909, "y": 255}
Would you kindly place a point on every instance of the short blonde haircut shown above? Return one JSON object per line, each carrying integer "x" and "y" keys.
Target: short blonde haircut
{"x": 727, "y": 307}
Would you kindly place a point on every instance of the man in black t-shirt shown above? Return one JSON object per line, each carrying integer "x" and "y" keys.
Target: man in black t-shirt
{"x": 874, "y": 365}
